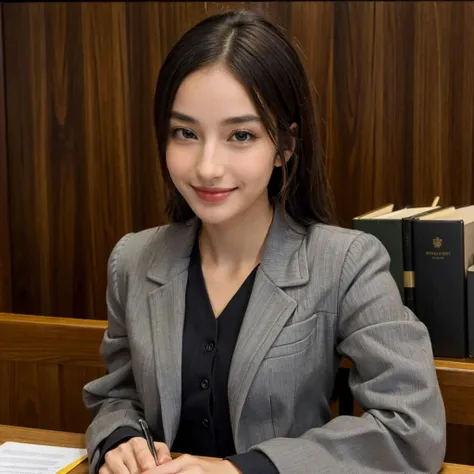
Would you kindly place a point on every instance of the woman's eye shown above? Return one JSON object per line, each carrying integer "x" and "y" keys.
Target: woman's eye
{"x": 183, "y": 134}
{"x": 243, "y": 136}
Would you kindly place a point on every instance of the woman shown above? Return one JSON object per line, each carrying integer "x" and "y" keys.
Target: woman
{"x": 226, "y": 327}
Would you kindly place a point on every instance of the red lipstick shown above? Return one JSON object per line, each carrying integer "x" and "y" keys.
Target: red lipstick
{"x": 213, "y": 194}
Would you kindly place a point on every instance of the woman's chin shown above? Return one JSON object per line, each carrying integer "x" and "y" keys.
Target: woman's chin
{"x": 214, "y": 214}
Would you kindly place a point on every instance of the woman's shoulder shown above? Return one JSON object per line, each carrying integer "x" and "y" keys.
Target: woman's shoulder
{"x": 336, "y": 245}
{"x": 146, "y": 245}
{"x": 324, "y": 237}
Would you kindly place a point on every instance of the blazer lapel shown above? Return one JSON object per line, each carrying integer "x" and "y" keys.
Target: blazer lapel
{"x": 268, "y": 310}
{"x": 283, "y": 265}
{"x": 166, "y": 307}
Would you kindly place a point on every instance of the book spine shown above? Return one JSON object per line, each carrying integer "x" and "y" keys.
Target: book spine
{"x": 470, "y": 310}
{"x": 440, "y": 284}
{"x": 389, "y": 232}
{"x": 408, "y": 264}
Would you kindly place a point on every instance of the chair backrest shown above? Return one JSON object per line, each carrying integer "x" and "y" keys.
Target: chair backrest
{"x": 44, "y": 363}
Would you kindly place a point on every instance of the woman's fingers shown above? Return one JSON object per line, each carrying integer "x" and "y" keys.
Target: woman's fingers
{"x": 163, "y": 453}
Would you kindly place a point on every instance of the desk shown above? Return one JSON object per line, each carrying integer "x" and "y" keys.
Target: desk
{"x": 74, "y": 440}
{"x": 54, "y": 438}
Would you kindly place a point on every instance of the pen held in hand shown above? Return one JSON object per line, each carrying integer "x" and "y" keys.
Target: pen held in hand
{"x": 151, "y": 445}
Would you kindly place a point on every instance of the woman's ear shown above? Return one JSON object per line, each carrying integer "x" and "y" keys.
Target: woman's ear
{"x": 289, "y": 145}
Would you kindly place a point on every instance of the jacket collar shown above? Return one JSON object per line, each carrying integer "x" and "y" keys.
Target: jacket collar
{"x": 284, "y": 258}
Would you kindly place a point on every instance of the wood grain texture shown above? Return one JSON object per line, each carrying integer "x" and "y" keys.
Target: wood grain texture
{"x": 460, "y": 442}
{"x": 51, "y": 340}
{"x": 5, "y": 270}
{"x": 348, "y": 102}
{"x": 444, "y": 101}
{"x": 69, "y": 152}
{"x": 394, "y": 83}
{"x": 44, "y": 365}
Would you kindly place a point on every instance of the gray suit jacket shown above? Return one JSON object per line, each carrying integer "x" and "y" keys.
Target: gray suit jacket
{"x": 319, "y": 294}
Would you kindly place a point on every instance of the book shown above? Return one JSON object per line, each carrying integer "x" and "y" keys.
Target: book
{"x": 35, "y": 458}
{"x": 386, "y": 224}
{"x": 443, "y": 246}
{"x": 409, "y": 277}
{"x": 470, "y": 309}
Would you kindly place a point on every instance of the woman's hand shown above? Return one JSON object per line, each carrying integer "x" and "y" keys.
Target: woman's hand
{"x": 188, "y": 464}
{"x": 133, "y": 457}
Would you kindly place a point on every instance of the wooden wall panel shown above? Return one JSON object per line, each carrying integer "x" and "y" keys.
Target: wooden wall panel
{"x": 394, "y": 83}
{"x": 69, "y": 152}
{"x": 5, "y": 270}
{"x": 44, "y": 365}
{"x": 340, "y": 63}
{"x": 460, "y": 439}
{"x": 396, "y": 95}
{"x": 47, "y": 396}
{"x": 443, "y": 101}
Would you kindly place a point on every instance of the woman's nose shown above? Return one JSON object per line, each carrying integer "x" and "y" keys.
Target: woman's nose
{"x": 210, "y": 166}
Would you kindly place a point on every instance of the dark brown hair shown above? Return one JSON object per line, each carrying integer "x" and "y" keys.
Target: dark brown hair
{"x": 268, "y": 66}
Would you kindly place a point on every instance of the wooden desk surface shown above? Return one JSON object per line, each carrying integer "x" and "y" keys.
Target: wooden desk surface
{"x": 54, "y": 438}
{"x": 75, "y": 440}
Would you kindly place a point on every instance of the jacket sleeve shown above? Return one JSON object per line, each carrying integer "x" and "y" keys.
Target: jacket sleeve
{"x": 112, "y": 399}
{"x": 119, "y": 436}
{"x": 393, "y": 379}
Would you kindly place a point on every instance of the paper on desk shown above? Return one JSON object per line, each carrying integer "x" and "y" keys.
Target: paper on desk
{"x": 22, "y": 458}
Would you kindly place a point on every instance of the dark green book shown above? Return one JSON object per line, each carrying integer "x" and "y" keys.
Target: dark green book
{"x": 409, "y": 277}
{"x": 443, "y": 246}
{"x": 387, "y": 227}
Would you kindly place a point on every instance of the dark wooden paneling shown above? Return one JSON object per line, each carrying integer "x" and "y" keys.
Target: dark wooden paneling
{"x": 396, "y": 94}
{"x": 44, "y": 364}
{"x": 340, "y": 53}
{"x": 460, "y": 440}
{"x": 394, "y": 82}
{"x": 69, "y": 152}
{"x": 5, "y": 270}
{"x": 443, "y": 101}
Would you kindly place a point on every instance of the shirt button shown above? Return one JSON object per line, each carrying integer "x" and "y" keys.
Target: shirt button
{"x": 204, "y": 384}
{"x": 210, "y": 346}
{"x": 205, "y": 423}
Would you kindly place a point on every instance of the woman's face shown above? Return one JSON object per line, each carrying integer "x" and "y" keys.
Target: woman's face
{"x": 219, "y": 154}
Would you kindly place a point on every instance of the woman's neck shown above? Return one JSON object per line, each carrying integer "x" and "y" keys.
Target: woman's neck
{"x": 238, "y": 243}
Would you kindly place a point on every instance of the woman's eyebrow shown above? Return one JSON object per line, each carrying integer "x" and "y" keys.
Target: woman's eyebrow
{"x": 228, "y": 121}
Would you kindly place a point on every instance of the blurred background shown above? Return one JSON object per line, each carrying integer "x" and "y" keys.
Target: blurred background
{"x": 394, "y": 84}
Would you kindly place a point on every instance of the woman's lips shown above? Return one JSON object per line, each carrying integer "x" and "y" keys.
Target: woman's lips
{"x": 213, "y": 194}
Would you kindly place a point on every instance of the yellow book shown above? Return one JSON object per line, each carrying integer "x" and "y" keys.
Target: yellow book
{"x": 71, "y": 466}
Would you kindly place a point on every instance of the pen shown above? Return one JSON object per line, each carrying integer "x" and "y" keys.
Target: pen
{"x": 146, "y": 432}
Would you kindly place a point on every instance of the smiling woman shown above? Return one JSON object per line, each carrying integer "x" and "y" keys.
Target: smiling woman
{"x": 226, "y": 327}
{"x": 214, "y": 158}
{"x": 252, "y": 87}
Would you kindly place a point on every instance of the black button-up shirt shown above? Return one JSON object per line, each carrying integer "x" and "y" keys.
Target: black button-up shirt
{"x": 208, "y": 346}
